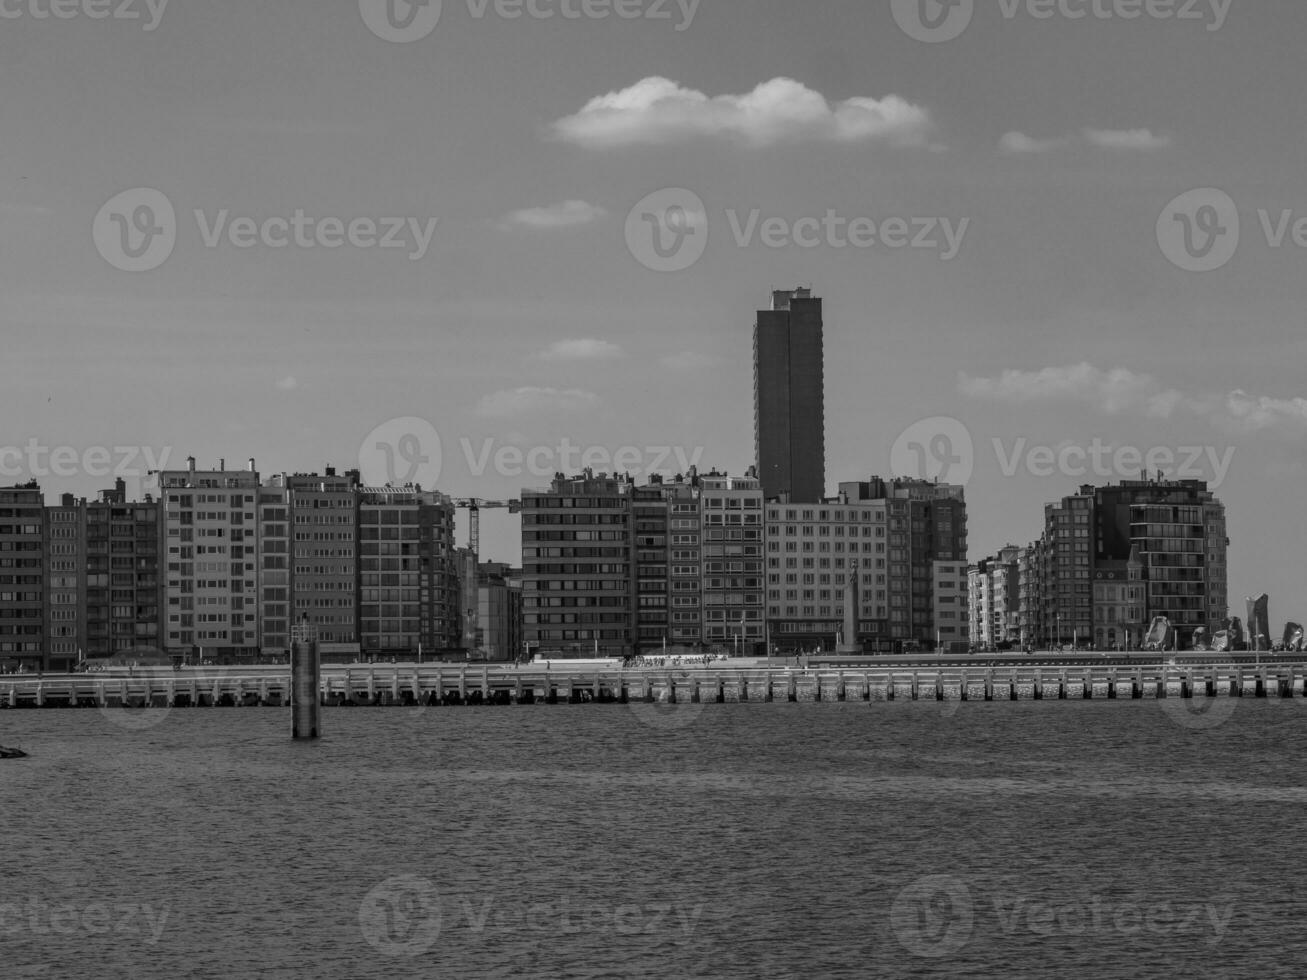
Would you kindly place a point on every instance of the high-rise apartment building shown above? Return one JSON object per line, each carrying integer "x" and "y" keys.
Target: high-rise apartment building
{"x": 22, "y": 577}
{"x": 1068, "y": 598}
{"x": 814, "y": 553}
{"x": 499, "y": 613}
{"x": 1178, "y": 530}
{"x": 1081, "y": 576}
{"x": 908, "y": 538}
{"x": 208, "y": 533}
{"x": 789, "y": 399}
{"x": 1030, "y": 595}
{"x": 577, "y": 586}
{"x": 651, "y": 517}
{"x": 408, "y": 583}
{"x": 994, "y": 588}
{"x": 952, "y": 618}
{"x": 732, "y": 573}
{"x": 65, "y": 582}
{"x": 324, "y": 518}
{"x": 123, "y": 577}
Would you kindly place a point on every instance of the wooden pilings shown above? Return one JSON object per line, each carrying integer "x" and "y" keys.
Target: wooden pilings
{"x": 407, "y": 685}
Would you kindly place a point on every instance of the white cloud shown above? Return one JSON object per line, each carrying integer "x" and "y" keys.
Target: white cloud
{"x": 1126, "y": 139}
{"x": 688, "y": 361}
{"x": 581, "y": 350}
{"x": 1021, "y": 143}
{"x": 1254, "y": 413}
{"x": 1109, "y": 139}
{"x": 289, "y": 383}
{"x": 658, "y": 110}
{"x": 568, "y": 214}
{"x": 1113, "y": 392}
{"x": 1121, "y": 390}
{"x": 532, "y": 401}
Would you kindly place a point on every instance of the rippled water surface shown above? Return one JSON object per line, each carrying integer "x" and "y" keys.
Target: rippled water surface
{"x": 1103, "y": 839}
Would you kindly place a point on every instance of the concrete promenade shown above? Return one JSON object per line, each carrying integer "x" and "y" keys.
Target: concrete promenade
{"x": 411, "y": 684}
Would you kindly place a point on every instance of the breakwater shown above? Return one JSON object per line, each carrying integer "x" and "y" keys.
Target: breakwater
{"x": 436, "y": 685}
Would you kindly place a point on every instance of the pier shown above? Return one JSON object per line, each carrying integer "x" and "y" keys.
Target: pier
{"x": 431, "y": 685}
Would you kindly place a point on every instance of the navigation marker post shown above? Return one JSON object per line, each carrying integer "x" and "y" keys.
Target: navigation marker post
{"x": 305, "y": 674}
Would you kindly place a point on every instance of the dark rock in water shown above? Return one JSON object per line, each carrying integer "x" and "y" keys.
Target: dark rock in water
{"x": 12, "y": 753}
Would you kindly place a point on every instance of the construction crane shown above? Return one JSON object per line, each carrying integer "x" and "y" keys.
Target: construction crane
{"x": 474, "y": 507}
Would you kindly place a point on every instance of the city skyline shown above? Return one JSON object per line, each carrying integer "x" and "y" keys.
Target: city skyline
{"x": 1058, "y": 325}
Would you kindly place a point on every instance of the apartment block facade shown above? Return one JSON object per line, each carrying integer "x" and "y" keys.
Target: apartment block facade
{"x": 1104, "y": 549}
{"x": 577, "y": 587}
{"x": 408, "y": 587}
{"x": 994, "y": 589}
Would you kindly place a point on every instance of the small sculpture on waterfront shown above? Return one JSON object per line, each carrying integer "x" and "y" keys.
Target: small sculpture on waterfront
{"x": 1293, "y": 638}
{"x": 1161, "y": 635}
{"x": 1259, "y": 623}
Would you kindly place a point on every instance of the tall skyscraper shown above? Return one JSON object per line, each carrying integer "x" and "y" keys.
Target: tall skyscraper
{"x": 788, "y": 397}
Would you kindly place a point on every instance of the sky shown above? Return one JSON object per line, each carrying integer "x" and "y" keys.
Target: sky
{"x": 1053, "y": 241}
